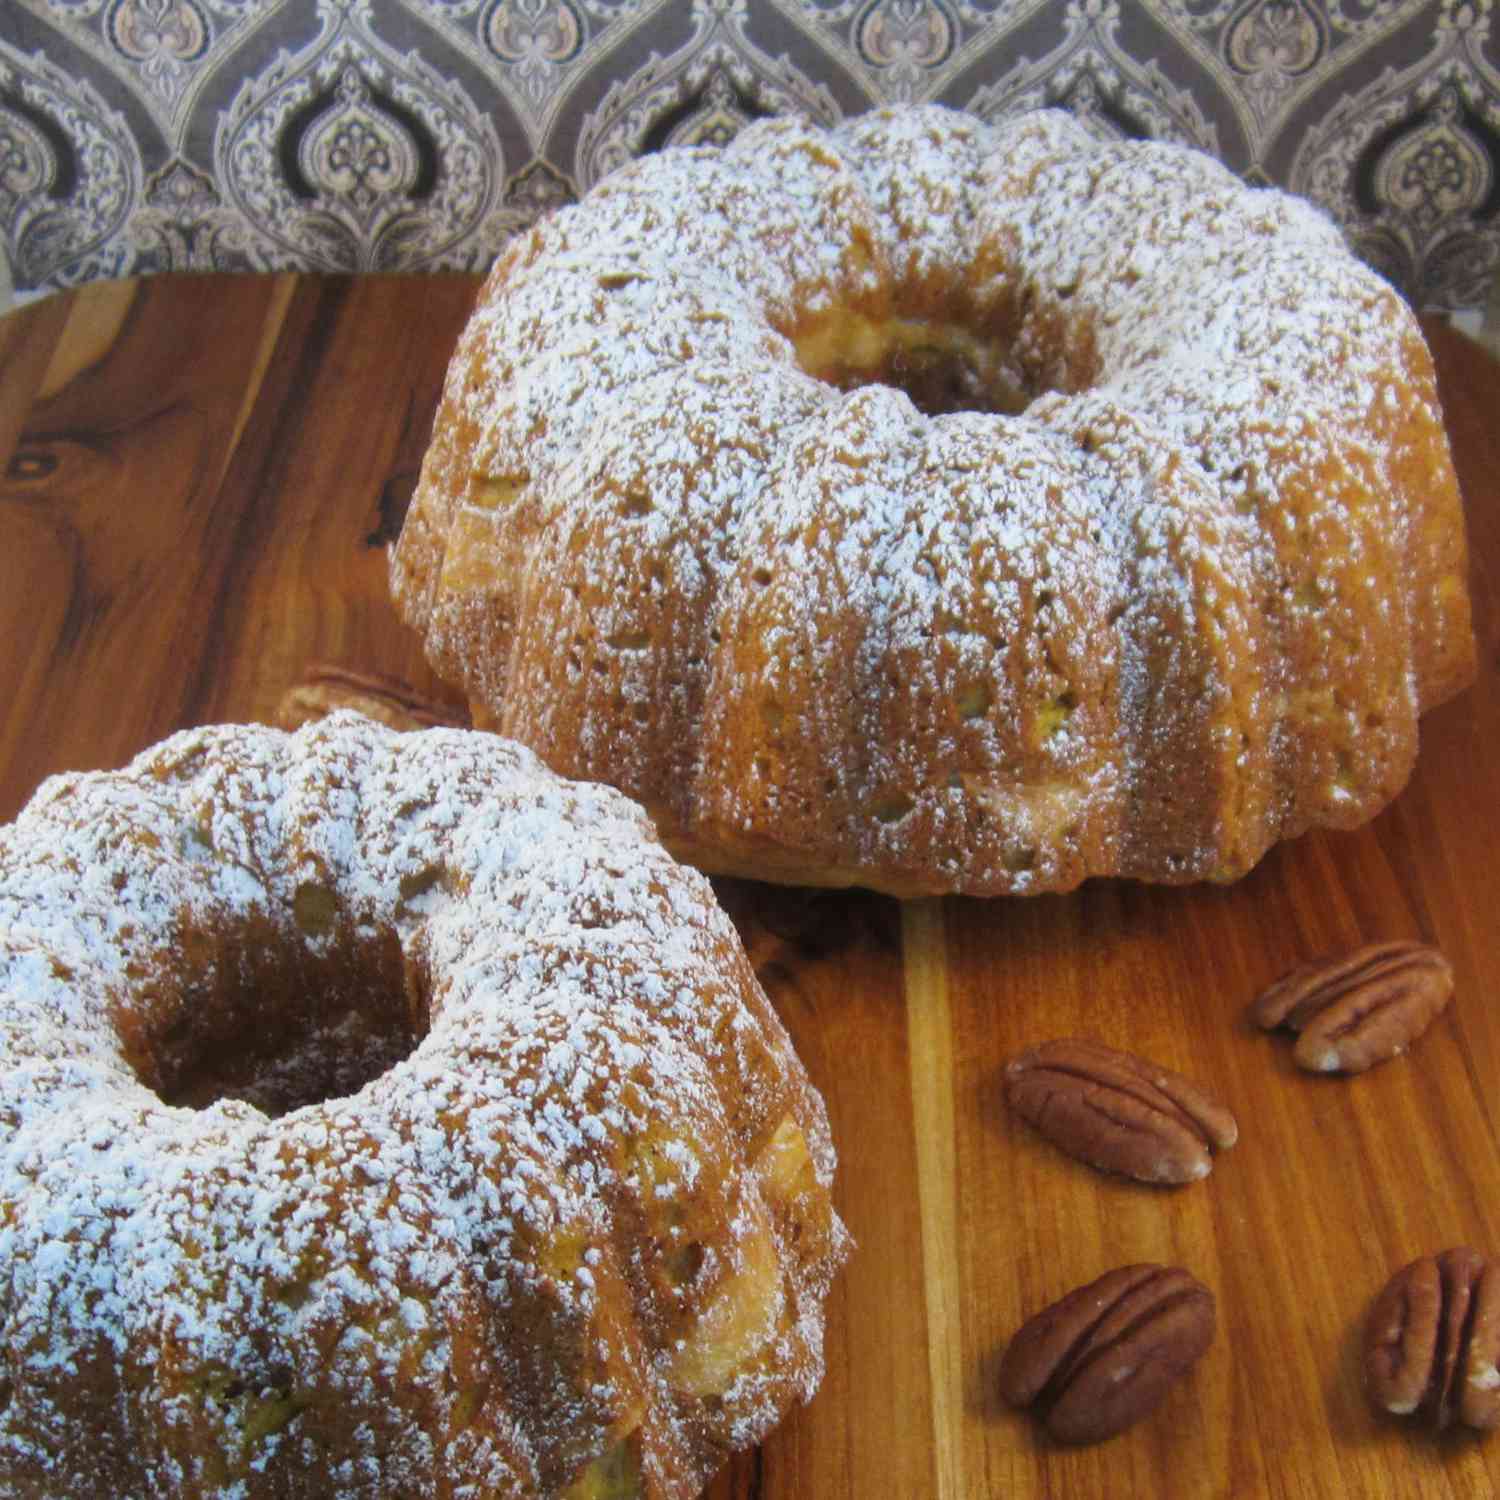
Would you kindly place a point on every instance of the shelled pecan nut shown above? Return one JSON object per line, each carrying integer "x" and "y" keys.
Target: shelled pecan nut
{"x": 1357, "y": 1009}
{"x": 1432, "y": 1341}
{"x": 388, "y": 700}
{"x": 1119, "y": 1112}
{"x": 1102, "y": 1357}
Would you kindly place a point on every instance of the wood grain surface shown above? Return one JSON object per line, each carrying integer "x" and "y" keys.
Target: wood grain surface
{"x": 201, "y": 476}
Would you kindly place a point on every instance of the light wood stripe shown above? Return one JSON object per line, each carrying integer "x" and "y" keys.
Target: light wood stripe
{"x": 282, "y": 291}
{"x": 930, "y": 1045}
{"x": 96, "y": 317}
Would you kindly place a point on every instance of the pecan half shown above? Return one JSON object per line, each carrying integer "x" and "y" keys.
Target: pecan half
{"x": 1102, "y": 1357}
{"x": 1432, "y": 1341}
{"x": 1119, "y": 1112}
{"x": 1357, "y": 1009}
{"x": 387, "y": 700}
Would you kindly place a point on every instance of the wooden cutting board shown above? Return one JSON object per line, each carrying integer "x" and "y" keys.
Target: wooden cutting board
{"x": 201, "y": 478}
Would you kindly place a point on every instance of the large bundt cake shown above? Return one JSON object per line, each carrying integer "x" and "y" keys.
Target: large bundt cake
{"x": 938, "y": 507}
{"x": 385, "y": 1117}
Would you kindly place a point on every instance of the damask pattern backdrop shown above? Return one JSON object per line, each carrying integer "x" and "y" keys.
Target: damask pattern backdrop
{"x": 141, "y": 136}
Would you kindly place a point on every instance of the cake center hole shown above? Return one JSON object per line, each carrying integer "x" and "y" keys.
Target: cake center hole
{"x": 942, "y": 367}
{"x": 278, "y": 1024}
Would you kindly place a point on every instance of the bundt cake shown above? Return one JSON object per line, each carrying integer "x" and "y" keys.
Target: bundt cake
{"x": 945, "y": 507}
{"x": 384, "y": 1116}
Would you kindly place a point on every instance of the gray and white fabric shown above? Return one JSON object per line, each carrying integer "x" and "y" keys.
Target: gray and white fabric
{"x": 141, "y": 136}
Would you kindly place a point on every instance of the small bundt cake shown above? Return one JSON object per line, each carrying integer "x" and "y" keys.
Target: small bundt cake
{"x": 386, "y": 1117}
{"x": 945, "y": 507}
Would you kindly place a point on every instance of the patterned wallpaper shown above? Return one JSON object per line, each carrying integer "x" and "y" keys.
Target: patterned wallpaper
{"x": 140, "y": 136}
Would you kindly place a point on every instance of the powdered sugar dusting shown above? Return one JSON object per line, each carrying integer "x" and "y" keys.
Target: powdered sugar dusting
{"x": 452, "y": 1280}
{"x": 1187, "y": 602}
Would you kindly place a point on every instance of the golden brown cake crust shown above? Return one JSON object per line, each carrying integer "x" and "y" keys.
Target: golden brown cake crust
{"x": 940, "y": 506}
{"x": 382, "y": 1116}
